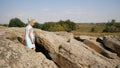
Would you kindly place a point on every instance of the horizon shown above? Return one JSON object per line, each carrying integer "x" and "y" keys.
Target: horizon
{"x": 66, "y": 20}
{"x": 78, "y": 11}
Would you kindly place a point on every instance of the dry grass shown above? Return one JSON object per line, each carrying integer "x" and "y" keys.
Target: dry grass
{"x": 85, "y": 29}
{"x": 88, "y": 27}
{"x": 94, "y": 34}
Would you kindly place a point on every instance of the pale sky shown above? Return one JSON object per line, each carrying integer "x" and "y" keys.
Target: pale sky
{"x": 55, "y": 10}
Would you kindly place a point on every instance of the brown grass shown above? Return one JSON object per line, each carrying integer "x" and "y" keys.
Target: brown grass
{"x": 94, "y": 34}
{"x": 85, "y": 29}
{"x": 88, "y": 27}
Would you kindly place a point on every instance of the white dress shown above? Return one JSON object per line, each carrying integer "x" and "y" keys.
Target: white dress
{"x": 27, "y": 38}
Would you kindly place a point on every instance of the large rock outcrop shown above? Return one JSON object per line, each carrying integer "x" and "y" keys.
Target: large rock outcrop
{"x": 15, "y": 55}
{"x": 72, "y": 53}
{"x": 98, "y": 48}
{"x": 112, "y": 43}
{"x": 62, "y": 50}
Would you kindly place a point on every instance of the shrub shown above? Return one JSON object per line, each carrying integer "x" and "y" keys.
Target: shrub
{"x": 16, "y": 22}
{"x": 112, "y": 27}
{"x": 37, "y": 25}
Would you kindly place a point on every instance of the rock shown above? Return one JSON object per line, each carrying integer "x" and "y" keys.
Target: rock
{"x": 118, "y": 66}
{"x": 67, "y": 36}
{"x": 97, "y": 65}
{"x": 83, "y": 37}
{"x": 100, "y": 39}
{"x": 98, "y": 48}
{"x": 12, "y": 33}
{"x": 94, "y": 45}
{"x": 73, "y": 54}
{"x": 21, "y": 40}
{"x": 109, "y": 54}
{"x": 112, "y": 43}
{"x": 14, "y": 55}
{"x": 52, "y": 49}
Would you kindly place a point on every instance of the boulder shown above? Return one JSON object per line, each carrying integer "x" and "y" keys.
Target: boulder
{"x": 100, "y": 40}
{"x": 98, "y": 48}
{"x": 112, "y": 43}
{"x": 53, "y": 51}
{"x": 72, "y": 54}
{"x": 94, "y": 45}
{"x": 15, "y": 55}
{"x": 14, "y": 34}
{"x": 83, "y": 37}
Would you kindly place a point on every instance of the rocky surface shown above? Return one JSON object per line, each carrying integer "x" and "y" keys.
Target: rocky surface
{"x": 83, "y": 37}
{"x": 15, "y": 55}
{"x": 98, "y": 48}
{"x": 73, "y": 54}
{"x": 112, "y": 43}
{"x": 54, "y": 50}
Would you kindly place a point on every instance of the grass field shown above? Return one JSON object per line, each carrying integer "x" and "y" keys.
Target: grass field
{"x": 85, "y": 29}
{"x": 88, "y": 27}
{"x": 94, "y": 34}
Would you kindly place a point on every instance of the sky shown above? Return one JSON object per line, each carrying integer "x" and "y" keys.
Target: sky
{"x": 79, "y": 11}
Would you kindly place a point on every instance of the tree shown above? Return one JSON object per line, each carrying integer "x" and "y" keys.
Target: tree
{"x": 112, "y": 27}
{"x": 37, "y": 25}
{"x": 16, "y": 22}
{"x": 68, "y": 25}
{"x": 113, "y": 21}
{"x": 52, "y": 26}
{"x": 48, "y": 25}
{"x": 59, "y": 26}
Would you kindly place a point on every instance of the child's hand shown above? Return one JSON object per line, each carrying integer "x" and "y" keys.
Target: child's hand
{"x": 32, "y": 42}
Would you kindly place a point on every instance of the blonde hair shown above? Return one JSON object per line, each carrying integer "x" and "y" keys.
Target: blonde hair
{"x": 31, "y": 19}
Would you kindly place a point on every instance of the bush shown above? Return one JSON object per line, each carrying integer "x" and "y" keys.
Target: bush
{"x": 59, "y": 26}
{"x": 93, "y": 29}
{"x": 48, "y": 26}
{"x": 52, "y": 26}
{"x": 37, "y": 25}
{"x": 67, "y": 25}
{"x": 15, "y": 22}
{"x": 112, "y": 27}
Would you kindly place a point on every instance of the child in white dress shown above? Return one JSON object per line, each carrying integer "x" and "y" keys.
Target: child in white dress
{"x": 29, "y": 35}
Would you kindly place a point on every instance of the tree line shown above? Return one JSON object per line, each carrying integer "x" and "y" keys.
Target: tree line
{"x": 66, "y": 25}
{"x": 48, "y": 26}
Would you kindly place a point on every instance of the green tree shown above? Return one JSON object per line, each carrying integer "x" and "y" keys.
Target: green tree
{"x": 52, "y": 26}
{"x": 48, "y": 26}
{"x": 112, "y": 27}
{"x": 37, "y": 25}
{"x": 16, "y": 22}
{"x": 68, "y": 25}
{"x": 59, "y": 26}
